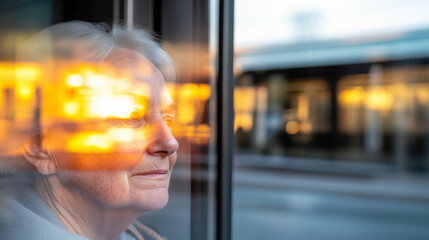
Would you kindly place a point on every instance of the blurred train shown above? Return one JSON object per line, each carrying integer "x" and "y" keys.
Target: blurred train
{"x": 363, "y": 100}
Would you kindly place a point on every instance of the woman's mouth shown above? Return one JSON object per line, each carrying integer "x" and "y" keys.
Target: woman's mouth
{"x": 158, "y": 174}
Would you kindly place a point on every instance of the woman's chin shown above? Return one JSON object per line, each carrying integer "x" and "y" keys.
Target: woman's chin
{"x": 151, "y": 200}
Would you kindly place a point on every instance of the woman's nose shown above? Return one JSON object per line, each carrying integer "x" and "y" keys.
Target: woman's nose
{"x": 161, "y": 141}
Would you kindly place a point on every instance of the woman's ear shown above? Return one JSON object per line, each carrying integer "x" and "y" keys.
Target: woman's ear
{"x": 37, "y": 156}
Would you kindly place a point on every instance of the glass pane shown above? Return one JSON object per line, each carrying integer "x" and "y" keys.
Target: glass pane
{"x": 91, "y": 120}
{"x": 190, "y": 38}
{"x": 332, "y": 120}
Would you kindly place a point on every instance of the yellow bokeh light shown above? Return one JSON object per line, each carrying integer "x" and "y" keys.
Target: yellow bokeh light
{"x": 74, "y": 80}
{"x": 24, "y": 90}
{"x": 20, "y": 71}
{"x": 112, "y": 106}
{"x": 378, "y": 99}
{"x": 243, "y": 121}
{"x": 27, "y": 72}
{"x": 244, "y": 99}
{"x": 352, "y": 97}
{"x": 71, "y": 108}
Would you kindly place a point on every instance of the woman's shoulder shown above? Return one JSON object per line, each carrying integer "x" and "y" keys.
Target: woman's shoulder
{"x": 142, "y": 231}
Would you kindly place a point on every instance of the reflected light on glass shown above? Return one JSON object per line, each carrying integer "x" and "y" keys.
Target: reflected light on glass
{"x": 74, "y": 80}
{"x": 377, "y": 98}
{"x": 112, "y": 106}
{"x": 18, "y": 86}
{"x": 190, "y": 99}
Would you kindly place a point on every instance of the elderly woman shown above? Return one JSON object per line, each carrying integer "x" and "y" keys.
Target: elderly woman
{"x": 102, "y": 150}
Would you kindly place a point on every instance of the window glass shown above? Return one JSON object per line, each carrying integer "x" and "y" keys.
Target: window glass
{"x": 107, "y": 111}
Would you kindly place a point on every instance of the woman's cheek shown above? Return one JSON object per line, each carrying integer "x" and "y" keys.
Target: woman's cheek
{"x": 83, "y": 151}
{"x": 109, "y": 188}
{"x": 99, "y": 161}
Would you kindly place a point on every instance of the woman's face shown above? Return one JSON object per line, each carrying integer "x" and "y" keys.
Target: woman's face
{"x": 122, "y": 161}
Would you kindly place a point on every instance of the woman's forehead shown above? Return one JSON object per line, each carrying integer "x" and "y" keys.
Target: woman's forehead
{"x": 142, "y": 71}
{"x": 127, "y": 58}
{"x": 124, "y": 61}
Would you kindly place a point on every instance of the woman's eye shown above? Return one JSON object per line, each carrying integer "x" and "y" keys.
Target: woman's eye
{"x": 127, "y": 122}
{"x": 135, "y": 116}
{"x": 169, "y": 121}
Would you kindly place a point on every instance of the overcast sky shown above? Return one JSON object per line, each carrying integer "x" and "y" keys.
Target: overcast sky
{"x": 265, "y": 22}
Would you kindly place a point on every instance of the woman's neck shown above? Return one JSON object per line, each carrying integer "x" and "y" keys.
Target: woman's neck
{"x": 82, "y": 215}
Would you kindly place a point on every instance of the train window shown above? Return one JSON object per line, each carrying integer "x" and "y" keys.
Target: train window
{"x": 331, "y": 120}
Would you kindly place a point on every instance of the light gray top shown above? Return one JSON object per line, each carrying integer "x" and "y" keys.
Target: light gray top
{"x": 24, "y": 215}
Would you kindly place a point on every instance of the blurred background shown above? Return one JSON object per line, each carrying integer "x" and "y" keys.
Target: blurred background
{"x": 331, "y": 104}
{"x": 332, "y": 120}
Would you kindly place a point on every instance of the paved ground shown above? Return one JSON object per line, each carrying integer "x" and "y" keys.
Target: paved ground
{"x": 275, "y": 204}
{"x": 307, "y": 211}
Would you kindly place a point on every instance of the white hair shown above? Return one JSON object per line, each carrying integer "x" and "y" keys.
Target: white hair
{"x": 97, "y": 41}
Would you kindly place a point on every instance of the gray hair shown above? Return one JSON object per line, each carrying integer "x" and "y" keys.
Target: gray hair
{"x": 86, "y": 42}
{"x": 96, "y": 42}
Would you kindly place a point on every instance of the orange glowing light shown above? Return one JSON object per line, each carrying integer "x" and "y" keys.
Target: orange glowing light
{"x": 303, "y": 107}
{"x": 306, "y": 127}
{"x": 190, "y": 98}
{"x": 292, "y": 127}
{"x": 204, "y": 92}
{"x": 199, "y": 134}
{"x": 244, "y": 106}
{"x": 101, "y": 142}
{"x": 89, "y": 142}
{"x": 185, "y": 113}
{"x": 243, "y": 121}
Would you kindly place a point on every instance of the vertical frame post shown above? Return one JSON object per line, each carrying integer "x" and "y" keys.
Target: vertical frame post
{"x": 129, "y": 14}
{"x": 225, "y": 130}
